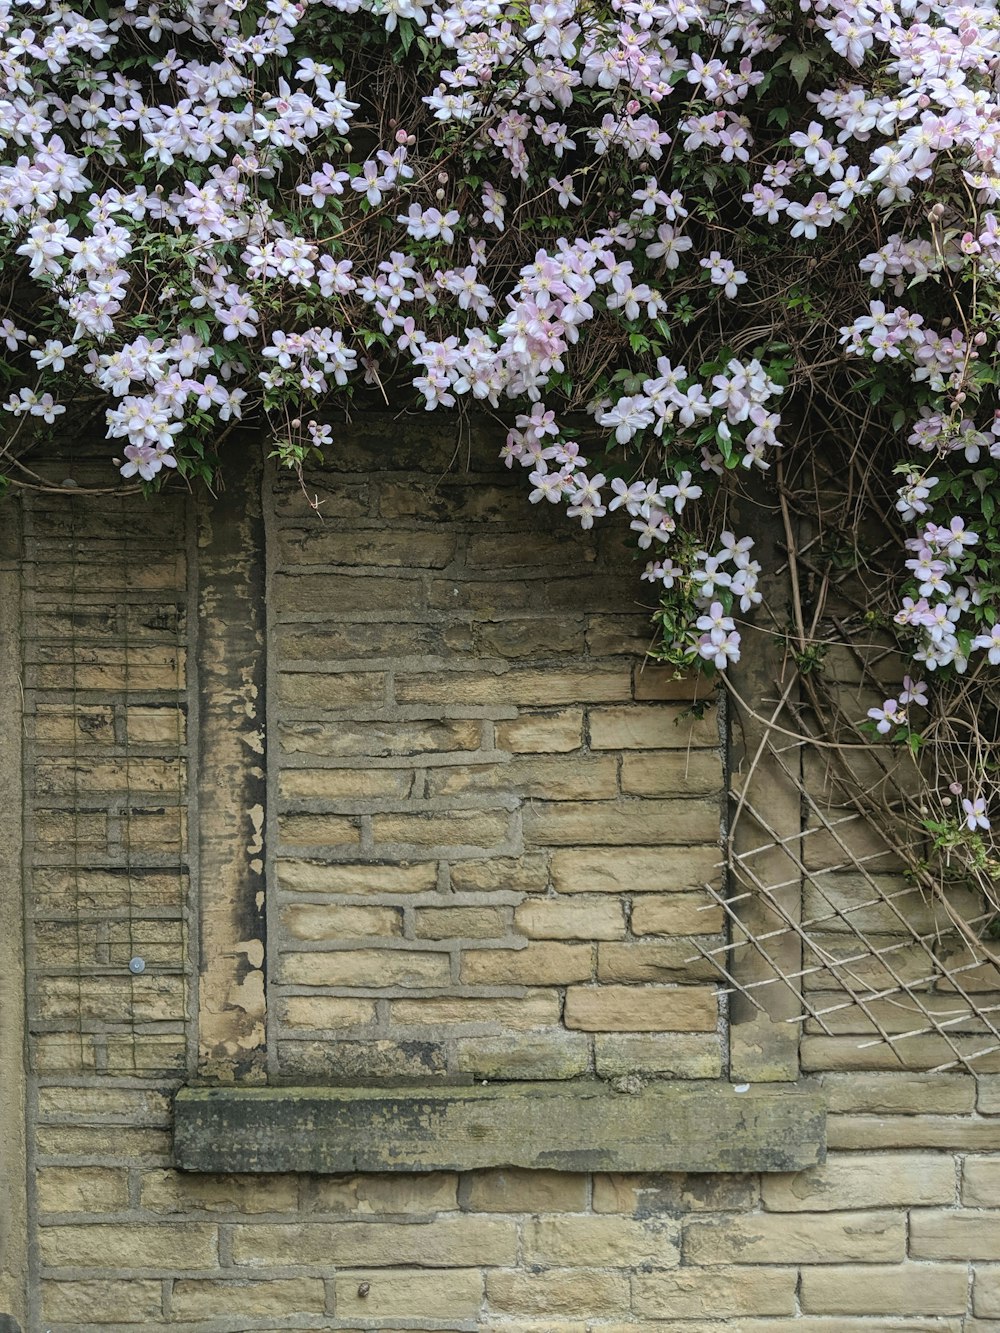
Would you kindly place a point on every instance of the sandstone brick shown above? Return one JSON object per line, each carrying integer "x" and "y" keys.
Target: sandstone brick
{"x": 444, "y": 1243}
{"x": 361, "y": 880}
{"x": 821, "y": 1238}
{"x": 614, "y": 635}
{"x": 522, "y": 874}
{"x": 110, "y": 998}
{"x": 579, "y": 1291}
{"x": 676, "y": 914}
{"x": 898, "y": 1093}
{"x": 372, "y": 1060}
{"x": 932, "y": 1131}
{"x": 981, "y": 1183}
{"x": 621, "y": 823}
{"x": 662, "y": 1055}
{"x": 160, "y": 725}
{"x": 318, "y": 830}
{"x": 519, "y": 686}
{"x": 182, "y": 1245}
{"x": 119, "y": 1301}
{"x": 454, "y": 499}
{"x": 591, "y": 778}
{"x": 943, "y": 1234}
{"x": 453, "y": 828}
{"x": 850, "y": 839}
{"x": 674, "y": 1193}
{"x": 344, "y": 784}
{"x": 169, "y": 1192}
{"x": 571, "y": 918}
{"x": 330, "y": 689}
{"x": 450, "y": 1296}
{"x": 651, "y": 727}
{"x": 988, "y": 1102}
{"x": 284, "y": 1297}
{"x": 666, "y": 682}
{"x": 834, "y": 1053}
{"x": 632, "y": 870}
{"x": 318, "y": 595}
{"x": 378, "y": 740}
{"x": 543, "y": 964}
{"x": 872, "y": 1289}
{"x": 149, "y": 1053}
{"x": 489, "y": 599}
{"x": 641, "y": 1009}
{"x": 326, "y": 1012}
{"x": 671, "y": 773}
{"x": 380, "y": 1196}
{"x": 107, "y": 890}
{"x": 474, "y": 923}
{"x": 620, "y": 1242}
{"x": 542, "y": 733}
{"x": 56, "y": 724}
{"x": 692, "y": 1293}
{"x": 366, "y": 967}
{"x": 62, "y": 775}
{"x": 536, "y": 637}
{"x": 657, "y": 960}
{"x": 492, "y": 550}
{"x": 302, "y": 922}
{"x": 512, "y": 1190}
{"x": 81, "y": 1189}
{"x": 113, "y": 1144}
{"x": 986, "y": 1291}
{"x": 352, "y": 640}
{"x": 533, "y": 1009}
{"x": 525, "y": 1056}
{"x": 359, "y": 546}
{"x": 96, "y": 1104}
{"x": 897, "y": 1180}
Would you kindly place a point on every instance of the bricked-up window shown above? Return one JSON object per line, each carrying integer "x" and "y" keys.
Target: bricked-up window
{"x": 488, "y": 824}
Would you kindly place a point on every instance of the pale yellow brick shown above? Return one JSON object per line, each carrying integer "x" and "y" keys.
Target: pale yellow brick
{"x": 97, "y": 1104}
{"x": 81, "y": 1189}
{"x": 117, "y": 1144}
{"x": 381, "y": 548}
{"x": 692, "y": 1293}
{"x": 321, "y": 595}
{"x": 663, "y": 1055}
{"x": 619, "y": 1242}
{"x": 561, "y": 778}
{"x": 666, "y": 682}
{"x": 671, "y": 772}
{"x": 519, "y": 686}
{"x": 182, "y": 1245}
{"x": 821, "y": 1238}
{"x": 138, "y": 776}
{"x": 366, "y": 967}
{"x": 674, "y": 1193}
{"x": 981, "y": 1183}
{"x": 451, "y": 923}
{"x": 571, "y": 918}
{"x": 932, "y": 1131}
{"x": 146, "y": 1053}
{"x": 512, "y": 1190}
{"x": 634, "y": 869}
{"x": 285, "y": 1297}
{"x": 340, "y": 739}
{"x": 330, "y": 689}
{"x": 340, "y": 784}
{"x": 170, "y": 1192}
{"x": 56, "y": 724}
{"x": 111, "y": 999}
{"x": 378, "y": 1196}
{"x": 863, "y": 1289}
{"x": 558, "y": 1291}
{"x": 543, "y": 964}
{"x": 986, "y": 1291}
{"x": 444, "y": 1243}
{"x": 156, "y": 726}
{"x": 621, "y": 823}
{"x": 454, "y": 828}
{"x": 312, "y": 922}
{"x": 361, "y": 880}
{"x": 676, "y": 914}
{"x": 318, "y": 830}
{"x": 899, "y": 1093}
{"x": 652, "y": 727}
{"x": 535, "y": 1009}
{"x": 542, "y": 733}
{"x": 522, "y": 874}
{"x": 534, "y": 1055}
{"x": 117, "y": 1301}
{"x": 847, "y": 1180}
{"x": 989, "y": 1095}
{"x": 641, "y": 1008}
{"x": 451, "y": 1296}
{"x": 326, "y": 1012}
{"x": 657, "y": 960}
{"x": 951, "y": 1234}
{"x": 817, "y": 1054}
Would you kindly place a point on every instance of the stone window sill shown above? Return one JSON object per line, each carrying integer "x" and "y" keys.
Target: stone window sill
{"x": 575, "y": 1126}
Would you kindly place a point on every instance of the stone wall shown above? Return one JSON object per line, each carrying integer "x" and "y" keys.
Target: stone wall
{"x": 486, "y": 826}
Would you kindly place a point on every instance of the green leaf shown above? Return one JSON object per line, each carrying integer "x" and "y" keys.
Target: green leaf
{"x": 799, "y": 67}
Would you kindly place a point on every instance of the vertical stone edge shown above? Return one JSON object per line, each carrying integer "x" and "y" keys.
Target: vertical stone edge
{"x": 764, "y": 1043}
{"x": 13, "y": 1027}
{"x": 231, "y": 778}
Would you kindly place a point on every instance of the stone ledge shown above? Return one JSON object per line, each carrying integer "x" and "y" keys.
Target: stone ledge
{"x": 576, "y": 1126}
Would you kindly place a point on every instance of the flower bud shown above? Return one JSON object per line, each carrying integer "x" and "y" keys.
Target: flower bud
{"x": 439, "y": 195}
{"x": 980, "y": 339}
{"x": 411, "y": 139}
{"x": 960, "y": 398}
{"x": 402, "y": 136}
{"x": 442, "y": 178}
{"x": 296, "y": 423}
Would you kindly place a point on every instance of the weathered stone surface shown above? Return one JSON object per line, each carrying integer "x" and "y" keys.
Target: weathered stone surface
{"x": 902, "y": 1289}
{"x": 847, "y": 1181}
{"x": 773, "y": 1238}
{"x": 574, "y": 1127}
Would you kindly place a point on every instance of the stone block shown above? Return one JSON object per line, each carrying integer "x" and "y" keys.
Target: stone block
{"x": 874, "y": 1289}
{"x": 318, "y": 831}
{"x": 548, "y": 778}
{"x": 621, "y": 823}
{"x": 532, "y": 1009}
{"x": 81, "y": 1189}
{"x": 981, "y": 1183}
{"x": 521, "y": 686}
{"x": 846, "y": 1180}
{"x": 99, "y": 1301}
{"x": 820, "y": 1238}
{"x": 378, "y": 740}
{"x": 179, "y": 1246}
{"x": 986, "y": 1291}
{"x": 319, "y": 690}
{"x": 542, "y": 964}
{"x": 642, "y": 1008}
{"x": 454, "y": 923}
{"x": 322, "y": 923}
{"x": 525, "y": 1056}
{"x": 380, "y": 1196}
{"x": 574, "y": 1291}
{"x": 285, "y": 1297}
{"x": 659, "y": 1055}
{"x": 673, "y": 1194}
{"x": 169, "y": 1192}
{"x": 899, "y": 1093}
{"x": 574, "y": 917}
{"x": 657, "y": 960}
{"x": 452, "y": 828}
{"x": 448, "y": 1242}
{"x": 325, "y": 1012}
{"x": 519, "y": 1191}
{"x": 721, "y": 1293}
{"x": 343, "y": 784}
{"x": 951, "y": 1234}
{"x": 557, "y": 731}
{"x": 358, "y": 880}
{"x": 676, "y": 914}
{"x": 671, "y": 773}
{"x": 652, "y": 727}
{"x": 370, "y": 968}
{"x": 607, "y": 1241}
{"x": 448, "y": 1298}
{"x": 631, "y": 870}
